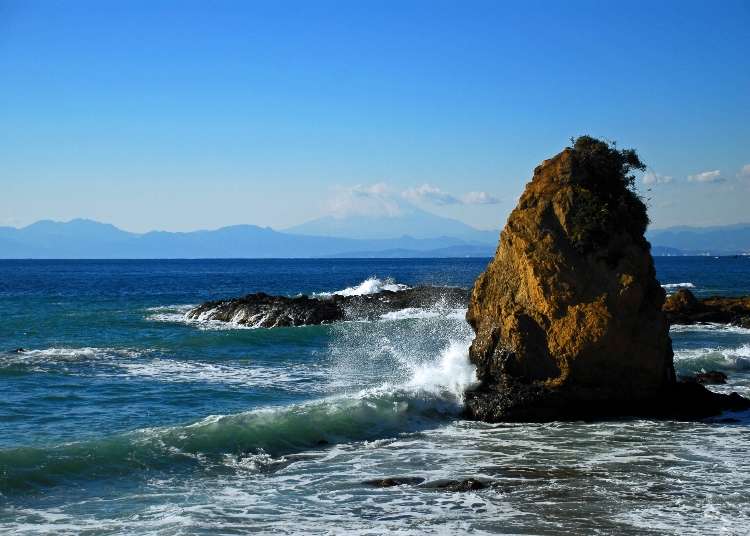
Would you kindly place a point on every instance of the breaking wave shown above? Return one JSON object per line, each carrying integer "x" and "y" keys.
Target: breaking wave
{"x": 433, "y": 393}
{"x": 371, "y": 285}
{"x": 696, "y": 360}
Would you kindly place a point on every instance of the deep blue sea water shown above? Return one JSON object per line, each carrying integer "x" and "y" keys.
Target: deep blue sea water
{"x": 121, "y": 417}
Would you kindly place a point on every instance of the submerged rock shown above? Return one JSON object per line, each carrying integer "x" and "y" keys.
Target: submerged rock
{"x": 568, "y": 315}
{"x": 712, "y": 377}
{"x": 394, "y": 481}
{"x": 468, "y": 484}
{"x": 266, "y": 311}
{"x": 683, "y": 307}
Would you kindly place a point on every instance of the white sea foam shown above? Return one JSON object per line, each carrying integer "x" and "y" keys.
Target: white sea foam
{"x": 68, "y": 355}
{"x": 245, "y": 375}
{"x": 371, "y": 285}
{"x": 679, "y": 285}
{"x": 708, "y": 327}
{"x": 672, "y": 287}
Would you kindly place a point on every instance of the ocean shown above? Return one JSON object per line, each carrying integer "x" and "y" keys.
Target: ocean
{"x": 122, "y": 417}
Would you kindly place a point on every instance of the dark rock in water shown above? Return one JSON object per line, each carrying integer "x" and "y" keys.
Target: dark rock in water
{"x": 568, "y": 315}
{"x": 523, "y": 402}
{"x": 712, "y": 377}
{"x": 19, "y": 351}
{"x": 683, "y": 307}
{"x": 394, "y": 481}
{"x": 469, "y": 484}
{"x": 266, "y": 311}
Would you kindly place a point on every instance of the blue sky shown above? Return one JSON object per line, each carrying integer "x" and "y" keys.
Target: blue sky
{"x": 186, "y": 115}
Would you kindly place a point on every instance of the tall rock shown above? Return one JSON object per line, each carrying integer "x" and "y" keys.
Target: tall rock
{"x": 568, "y": 315}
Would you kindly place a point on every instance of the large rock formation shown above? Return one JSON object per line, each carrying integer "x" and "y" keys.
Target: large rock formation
{"x": 568, "y": 315}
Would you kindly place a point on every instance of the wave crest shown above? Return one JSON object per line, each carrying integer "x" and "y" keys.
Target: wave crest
{"x": 371, "y": 285}
{"x": 433, "y": 394}
{"x": 695, "y": 360}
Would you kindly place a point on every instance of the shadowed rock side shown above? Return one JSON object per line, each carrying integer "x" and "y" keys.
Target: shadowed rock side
{"x": 568, "y": 315}
{"x": 683, "y": 307}
{"x": 263, "y": 310}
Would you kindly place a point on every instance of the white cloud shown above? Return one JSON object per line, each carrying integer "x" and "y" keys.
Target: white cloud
{"x": 744, "y": 172}
{"x": 479, "y": 198}
{"x": 371, "y": 200}
{"x": 436, "y": 196}
{"x": 707, "y": 176}
{"x": 430, "y": 193}
{"x": 380, "y": 199}
{"x": 652, "y": 178}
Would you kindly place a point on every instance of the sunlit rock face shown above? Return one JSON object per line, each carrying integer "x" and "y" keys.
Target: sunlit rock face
{"x": 568, "y": 314}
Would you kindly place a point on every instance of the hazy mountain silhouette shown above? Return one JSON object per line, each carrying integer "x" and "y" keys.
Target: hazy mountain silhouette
{"x": 715, "y": 240}
{"x": 89, "y": 239}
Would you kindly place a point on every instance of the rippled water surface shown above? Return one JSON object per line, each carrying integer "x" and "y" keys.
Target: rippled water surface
{"x": 121, "y": 417}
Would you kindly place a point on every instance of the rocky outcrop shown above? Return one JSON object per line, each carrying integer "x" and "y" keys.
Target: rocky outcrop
{"x": 264, "y": 310}
{"x": 568, "y": 315}
{"x": 712, "y": 377}
{"x": 683, "y": 307}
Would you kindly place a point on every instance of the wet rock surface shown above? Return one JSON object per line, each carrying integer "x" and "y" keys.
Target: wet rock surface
{"x": 683, "y": 307}
{"x": 468, "y": 484}
{"x": 267, "y": 311}
{"x": 568, "y": 315}
{"x": 394, "y": 481}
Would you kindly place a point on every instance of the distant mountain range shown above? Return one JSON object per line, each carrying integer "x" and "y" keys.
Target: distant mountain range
{"x": 90, "y": 239}
{"x": 716, "y": 240}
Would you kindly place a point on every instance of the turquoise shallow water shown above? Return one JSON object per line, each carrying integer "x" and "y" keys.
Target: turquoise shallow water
{"x": 123, "y": 418}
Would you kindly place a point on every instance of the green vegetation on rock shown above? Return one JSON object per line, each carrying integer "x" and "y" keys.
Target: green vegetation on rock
{"x": 604, "y": 199}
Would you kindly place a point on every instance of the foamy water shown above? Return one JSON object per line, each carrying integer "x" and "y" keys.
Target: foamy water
{"x": 676, "y": 286}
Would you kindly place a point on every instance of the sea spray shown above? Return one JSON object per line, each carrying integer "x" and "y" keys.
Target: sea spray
{"x": 367, "y": 354}
{"x": 452, "y": 373}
